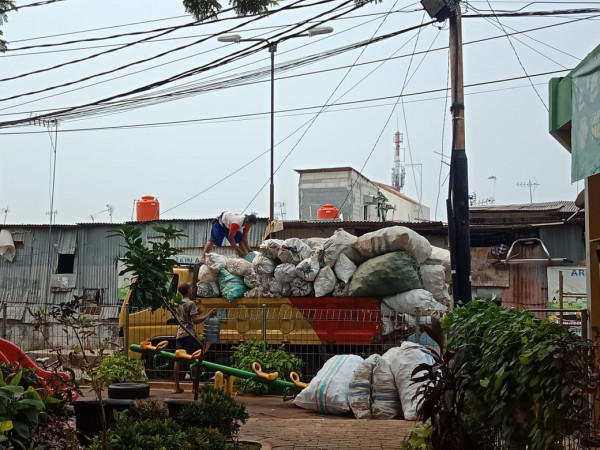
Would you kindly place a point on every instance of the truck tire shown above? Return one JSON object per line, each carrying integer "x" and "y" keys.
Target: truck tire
{"x": 128, "y": 390}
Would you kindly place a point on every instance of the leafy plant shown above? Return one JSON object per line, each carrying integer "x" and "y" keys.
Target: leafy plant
{"x": 205, "y": 439}
{"x": 148, "y": 409}
{"x": 528, "y": 378}
{"x": 118, "y": 368}
{"x": 271, "y": 359}
{"x": 130, "y": 434}
{"x": 419, "y": 438}
{"x": 150, "y": 266}
{"x": 216, "y": 409}
{"x": 55, "y": 434}
{"x": 20, "y": 411}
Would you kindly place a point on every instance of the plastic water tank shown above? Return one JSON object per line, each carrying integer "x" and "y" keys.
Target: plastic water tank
{"x": 148, "y": 208}
{"x": 328, "y": 211}
{"x": 212, "y": 329}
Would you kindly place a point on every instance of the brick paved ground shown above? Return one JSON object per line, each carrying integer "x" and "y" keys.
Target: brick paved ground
{"x": 284, "y": 426}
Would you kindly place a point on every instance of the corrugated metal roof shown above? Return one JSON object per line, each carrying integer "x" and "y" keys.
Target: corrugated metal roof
{"x": 559, "y": 206}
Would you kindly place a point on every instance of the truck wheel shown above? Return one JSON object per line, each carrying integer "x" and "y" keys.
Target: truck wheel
{"x": 128, "y": 390}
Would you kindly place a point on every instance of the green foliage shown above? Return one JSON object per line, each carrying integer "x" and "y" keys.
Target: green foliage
{"x": 206, "y": 9}
{"x": 5, "y": 6}
{"x": 55, "y": 434}
{"x": 131, "y": 434}
{"x": 206, "y": 439}
{"x": 20, "y": 411}
{"x": 216, "y": 409}
{"x": 527, "y": 377}
{"x": 119, "y": 368}
{"x": 150, "y": 266}
{"x": 148, "y": 409}
{"x": 419, "y": 438}
{"x": 273, "y": 359}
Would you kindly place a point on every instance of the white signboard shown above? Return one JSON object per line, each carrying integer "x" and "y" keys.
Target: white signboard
{"x": 187, "y": 259}
{"x": 574, "y": 282}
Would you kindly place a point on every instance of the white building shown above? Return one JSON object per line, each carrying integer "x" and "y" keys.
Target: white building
{"x": 357, "y": 197}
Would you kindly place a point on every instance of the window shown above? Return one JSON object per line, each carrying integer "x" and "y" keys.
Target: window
{"x": 366, "y": 212}
{"x": 66, "y": 262}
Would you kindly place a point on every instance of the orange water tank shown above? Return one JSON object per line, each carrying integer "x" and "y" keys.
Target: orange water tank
{"x": 147, "y": 209}
{"x": 328, "y": 211}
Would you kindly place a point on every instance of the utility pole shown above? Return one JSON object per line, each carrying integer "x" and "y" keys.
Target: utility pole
{"x": 529, "y": 184}
{"x": 458, "y": 196}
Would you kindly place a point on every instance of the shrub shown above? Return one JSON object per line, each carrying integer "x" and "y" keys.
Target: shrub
{"x": 215, "y": 409}
{"x": 527, "y": 377}
{"x": 273, "y": 359}
{"x": 118, "y": 368}
{"x": 130, "y": 433}
{"x": 148, "y": 409}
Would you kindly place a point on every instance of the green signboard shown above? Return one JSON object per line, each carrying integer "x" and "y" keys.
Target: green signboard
{"x": 585, "y": 137}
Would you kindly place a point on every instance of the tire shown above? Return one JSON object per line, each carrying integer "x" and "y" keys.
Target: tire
{"x": 128, "y": 390}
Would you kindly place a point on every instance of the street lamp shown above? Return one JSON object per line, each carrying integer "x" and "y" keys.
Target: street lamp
{"x": 272, "y": 46}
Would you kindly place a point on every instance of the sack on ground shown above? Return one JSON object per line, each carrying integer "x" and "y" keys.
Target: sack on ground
{"x": 344, "y": 268}
{"x": 238, "y": 266}
{"x": 206, "y": 275}
{"x": 392, "y": 239}
{"x": 402, "y": 361}
{"x": 328, "y": 391}
{"x": 325, "y": 282}
{"x": 308, "y": 269}
{"x": 384, "y": 392}
{"x": 340, "y": 242}
{"x": 207, "y": 289}
{"x": 359, "y": 389}
{"x": 385, "y": 275}
{"x": 285, "y": 273}
{"x": 231, "y": 285}
{"x": 215, "y": 262}
{"x": 262, "y": 264}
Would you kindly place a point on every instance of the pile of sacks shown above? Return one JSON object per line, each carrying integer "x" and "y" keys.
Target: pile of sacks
{"x": 379, "y": 387}
{"x": 395, "y": 264}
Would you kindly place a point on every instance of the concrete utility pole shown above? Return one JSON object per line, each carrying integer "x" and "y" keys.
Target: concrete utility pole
{"x": 458, "y": 196}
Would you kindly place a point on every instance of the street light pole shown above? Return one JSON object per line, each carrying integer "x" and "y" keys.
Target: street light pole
{"x": 272, "y": 46}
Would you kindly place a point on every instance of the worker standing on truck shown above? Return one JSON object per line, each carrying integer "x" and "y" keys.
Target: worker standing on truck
{"x": 188, "y": 316}
{"x": 233, "y": 226}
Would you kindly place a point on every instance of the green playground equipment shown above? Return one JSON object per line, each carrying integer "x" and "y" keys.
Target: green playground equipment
{"x": 291, "y": 387}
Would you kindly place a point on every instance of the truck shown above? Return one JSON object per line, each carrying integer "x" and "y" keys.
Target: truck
{"x": 312, "y": 328}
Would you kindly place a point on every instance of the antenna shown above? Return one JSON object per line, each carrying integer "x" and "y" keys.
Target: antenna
{"x": 5, "y": 212}
{"x": 493, "y": 197}
{"x": 282, "y": 211}
{"x": 532, "y": 185}
{"x": 398, "y": 171}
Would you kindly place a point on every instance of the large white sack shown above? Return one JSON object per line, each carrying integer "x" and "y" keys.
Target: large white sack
{"x": 308, "y": 269}
{"x": 263, "y": 265}
{"x": 325, "y": 282}
{"x": 344, "y": 268}
{"x": 277, "y": 289}
{"x": 392, "y": 239}
{"x": 270, "y": 248}
{"x": 359, "y": 389}
{"x": 409, "y": 301}
{"x": 341, "y": 289}
{"x": 293, "y": 250}
{"x": 300, "y": 288}
{"x": 238, "y": 266}
{"x": 403, "y": 360}
{"x": 285, "y": 273}
{"x": 384, "y": 392}
{"x": 328, "y": 391}
{"x": 251, "y": 278}
{"x": 208, "y": 289}
{"x": 205, "y": 275}
{"x": 340, "y": 242}
{"x": 434, "y": 280}
{"x": 216, "y": 262}
{"x": 438, "y": 256}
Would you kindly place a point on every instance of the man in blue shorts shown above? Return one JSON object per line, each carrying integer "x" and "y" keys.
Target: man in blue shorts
{"x": 188, "y": 317}
{"x": 233, "y": 226}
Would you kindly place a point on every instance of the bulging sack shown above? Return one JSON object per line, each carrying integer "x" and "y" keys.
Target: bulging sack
{"x": 308, "y": 269}
{"x": 238, "y": 266}
{"x": 208, "y": 289}
{"x": 206, "y": 275}
{"x": 340, "y": 242}
{"x": 215, "y": 262}
{"x": 392, "y": 239}
{"x": 231, "y": 285}
{"x": 385, "y": 275}
{"x": 325, "y": 282}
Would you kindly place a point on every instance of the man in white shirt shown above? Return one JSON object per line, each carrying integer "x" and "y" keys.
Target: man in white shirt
{"x": 233, "y": 226}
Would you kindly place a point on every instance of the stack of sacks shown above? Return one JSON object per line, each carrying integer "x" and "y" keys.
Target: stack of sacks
{"x": 407, "y": 303}
{"x": 378, "y": 264}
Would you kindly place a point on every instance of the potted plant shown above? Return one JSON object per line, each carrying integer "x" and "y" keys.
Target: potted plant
{"x": 124, "y": 377}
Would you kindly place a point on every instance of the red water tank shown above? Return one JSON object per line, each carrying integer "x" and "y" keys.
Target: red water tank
{"x": 328, "y": 211}
{"x": 147, "y": 209}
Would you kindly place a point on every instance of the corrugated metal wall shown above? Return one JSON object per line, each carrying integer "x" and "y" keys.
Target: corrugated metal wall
{"x": 526, "y": 288}
{"x": 565, "y": 241}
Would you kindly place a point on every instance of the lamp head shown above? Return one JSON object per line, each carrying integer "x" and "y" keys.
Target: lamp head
{"x": 439, "y": 10}
{"x": 229, "y": 38}
{"x": 319, "y": 30}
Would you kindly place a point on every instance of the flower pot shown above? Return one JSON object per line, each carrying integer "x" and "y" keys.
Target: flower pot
{"x": 174, "y": 405}
{"x": 88, "y": 415}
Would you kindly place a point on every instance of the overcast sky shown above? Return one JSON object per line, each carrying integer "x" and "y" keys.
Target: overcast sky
{"x": 207, "y": 148}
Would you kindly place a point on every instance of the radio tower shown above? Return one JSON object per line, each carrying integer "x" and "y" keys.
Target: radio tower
{"x": 398, "y": 172}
